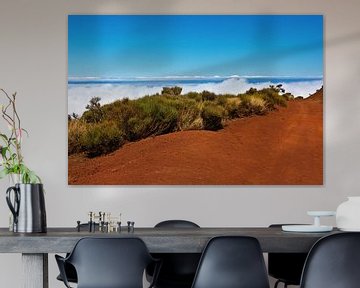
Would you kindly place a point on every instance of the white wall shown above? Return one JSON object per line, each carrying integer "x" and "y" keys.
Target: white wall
{"x": 33, "y": 62}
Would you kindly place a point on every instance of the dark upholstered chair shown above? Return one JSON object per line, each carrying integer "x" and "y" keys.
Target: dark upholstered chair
{"x": 176, "y": 224}
{"x": 108, "y": 263}
{"x": 232, "y": 262}
{"x": 69, "y": 269}
{"x": 178, "y": 269}
{"x": 286, "y": 267}
{"x": 333, "y": 262}
{"x": 70, "y": 273}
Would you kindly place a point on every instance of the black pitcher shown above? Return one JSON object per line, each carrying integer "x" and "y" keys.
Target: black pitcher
{"x": 28, "y": 208}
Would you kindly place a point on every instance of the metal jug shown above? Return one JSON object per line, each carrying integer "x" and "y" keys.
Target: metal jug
{"x": 28, "y": 208}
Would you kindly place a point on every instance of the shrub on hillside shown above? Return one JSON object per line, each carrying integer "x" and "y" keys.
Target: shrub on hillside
{"x": 136, "y": 128}
{"x": 176, "y": 90}
{"x": 101, "y": 138}
{"x": 252, "y": 105}
{"x": 207, "y": 96}
{"x": 251, "y": 91}
{"x": 212, "y": 116}
{"x": 222, "y": 99}
{"x": 158, "y": 113}
{"x": 94, "y": 113}
{"x": 124, "y": 113}
{"x": 272, "y": 98}
{"x": 102, "y": 129}
{"x": 244, "y": 109}
{"x": 76, "y": 129}
{"x": 232, "y": 107}
{"x": 189, "y": 118}
{"x": 258, "y": 106}
{"x": 194, "y": 95}
{"x": 288, "y": 96}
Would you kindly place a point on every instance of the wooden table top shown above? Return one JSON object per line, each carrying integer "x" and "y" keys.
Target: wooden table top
{"x": 158, "y": 240}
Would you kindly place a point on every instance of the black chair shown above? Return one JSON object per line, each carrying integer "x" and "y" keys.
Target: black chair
{"x": 232, "y": 262}
{"x": 69, "y": 269}
{"x": 178, "y": 269}
{"x": 108, "y": 263}
{"x": 333, "y": 262}
{"x": 286, "y": 267}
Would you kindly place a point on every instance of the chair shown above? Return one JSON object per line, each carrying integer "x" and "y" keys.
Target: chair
{"x": 178, "y": 269}
{"x": 108, "y": 263}
{"x": 176, "y": 224}
{"x": 70, "y": 273}
{"x": 333, "y": 262}
{"x": 232, "y": 262}
{"x": 69, "y": 269}
{"x": 286, "y": 267}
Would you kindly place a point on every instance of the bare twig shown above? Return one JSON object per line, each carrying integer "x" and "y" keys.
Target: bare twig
{"x": 14, "y": 123}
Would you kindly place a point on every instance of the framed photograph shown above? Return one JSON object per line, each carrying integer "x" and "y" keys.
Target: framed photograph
{"x": 195, "y": 99}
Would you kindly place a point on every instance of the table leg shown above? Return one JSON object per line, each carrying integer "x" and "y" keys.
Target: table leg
{"x": 35, "y": 270}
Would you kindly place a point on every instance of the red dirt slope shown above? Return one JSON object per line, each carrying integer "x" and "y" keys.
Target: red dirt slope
{"x": 317, "y": 96}
{"x": 284, "y": 147}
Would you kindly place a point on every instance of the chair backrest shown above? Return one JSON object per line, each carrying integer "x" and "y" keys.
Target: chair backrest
{"x": 110, "y": 262}
{"x": 333, "y": 262}
{"x": 176, "y": 224}
{"x": 286, "y": 266}
{"x": 178, "y": 269}
{"x": 232, "y": 262}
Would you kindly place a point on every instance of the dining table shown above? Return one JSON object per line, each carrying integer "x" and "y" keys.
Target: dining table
{"x": 35, "y": 247}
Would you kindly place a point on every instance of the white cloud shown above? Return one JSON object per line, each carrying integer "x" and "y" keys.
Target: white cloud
{"x": 240, "y": 85}
{"x": 305, "y": 88}
{"x": 79, "y": 95}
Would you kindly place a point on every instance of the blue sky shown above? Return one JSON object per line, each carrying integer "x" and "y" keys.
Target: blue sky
{"x": 179, "y": 45}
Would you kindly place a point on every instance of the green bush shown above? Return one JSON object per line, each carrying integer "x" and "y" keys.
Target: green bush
{"x": 212, "y": 116}
{"x": 222, "y": 99}
{"x": 272, "y": 98}
{"x": 160, "y": 116}
{"x": 171, "y": 91}
{"x": 194, "y": 95}
{"x": 244, "y": 109}
{"x": 288, "y": 96}
{"x": 102, "y": 129}
{"x": 251, "y": 91}
{"x": 189, "y": 118}
{"x": 94, "y": 113}
{"x": 208, "y": 96}
{"x": 136, "y": 128}
{"x": 258, "y": 106}
{"x": 76, "y": 129}
{"x": 250, "y": 105}
{"x": 232, "y": 107}
{"x": 101, "y": 138}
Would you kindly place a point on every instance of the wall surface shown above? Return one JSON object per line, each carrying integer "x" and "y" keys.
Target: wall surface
{"x": 33, "y": 62}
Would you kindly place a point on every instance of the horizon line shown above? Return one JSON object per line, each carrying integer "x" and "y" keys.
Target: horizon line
{"x": 175, "y": 77}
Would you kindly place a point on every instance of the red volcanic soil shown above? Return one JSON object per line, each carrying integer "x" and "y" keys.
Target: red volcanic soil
{"x": 285, "y": 147}
{"x": 317, "y": 96}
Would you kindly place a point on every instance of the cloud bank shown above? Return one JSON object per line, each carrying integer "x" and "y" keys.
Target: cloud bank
{"x": 80, "y": 94}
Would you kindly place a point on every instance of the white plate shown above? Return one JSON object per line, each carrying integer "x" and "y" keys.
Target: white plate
{"x": 321, "y": 213}
{"x": 306, "y": 228}
{"x": 350, "y": 229}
